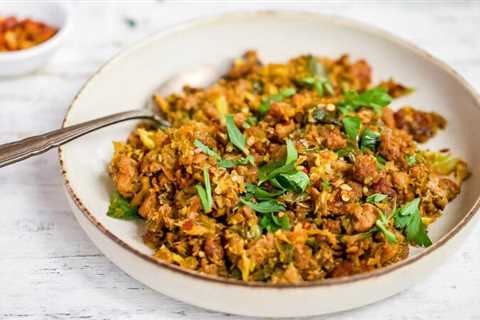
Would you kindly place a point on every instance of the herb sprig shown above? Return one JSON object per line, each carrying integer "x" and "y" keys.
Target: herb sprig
{"x": 120, "y": 208}
{"x": 266, "y": 206}
{"x": 271, "y": 222}
{"x": 225, "y": 163}
{"x": 205, "y": 194}
{"x": 352, "y": 128}
{"x": 318, "y": 78}
{"x": 236, "y": 137}
{"x": 375, "y": 98}
{"x": 369, "y": 140}
{"x": 267, "y": 101}
{"x": 409, "y": 220}
{"x": 273, "y": 169}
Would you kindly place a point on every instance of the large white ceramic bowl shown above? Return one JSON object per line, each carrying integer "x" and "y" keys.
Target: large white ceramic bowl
{"x": 129, "y": 78}
{"x": 56, "y": 14}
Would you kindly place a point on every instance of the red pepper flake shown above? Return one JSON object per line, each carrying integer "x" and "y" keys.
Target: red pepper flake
{"x": 187, "y": 225}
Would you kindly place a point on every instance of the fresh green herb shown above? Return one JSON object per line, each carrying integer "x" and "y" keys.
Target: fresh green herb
{"x": 322, "y": 115}
{"x": 236, "y": 137}
{"x": 381, "y": 225}
{"x": 375, "y": 98}
{"x": 326, "y": 185}
{"x": 296, "y": 182}
{"x": 352, "y": 127}
{"x": 221, "y": 162}
{"x": 408, "y": 218}
{"x": 376, "y": 197}
{"x": 348, "y": 153}
{"x": 205, "y": 149}
{"x": 233, "y": 163}
{"x": 273, "y": 169}
{"x": 319, "y": 78}
{"x": 320, "y": 84}
{"x": 261, "y": 193}
{"x": 205, "y": 194}
{"x": 120, "y": 208}
{"x": 271, "y": 222}
{"x": 381, "y": 161}
{"x": 369, "y": 140}
{"x": 251, "y": 121}
{"x": 411, "y": 159}
{"x": 265, "y": 206}
{"x": 267, "y": 101}
{"x": 292, "y": 154}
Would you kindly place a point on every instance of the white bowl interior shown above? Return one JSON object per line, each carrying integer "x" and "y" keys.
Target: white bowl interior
{"x": 127, "y": 81}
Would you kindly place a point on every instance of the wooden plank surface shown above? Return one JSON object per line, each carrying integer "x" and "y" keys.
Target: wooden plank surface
{"x": 49, "y": 269}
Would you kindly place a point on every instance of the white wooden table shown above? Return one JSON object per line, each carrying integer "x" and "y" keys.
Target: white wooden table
{"x": 48, "y": 267}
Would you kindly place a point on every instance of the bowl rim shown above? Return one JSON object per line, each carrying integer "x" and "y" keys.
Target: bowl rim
{"x": 47, "y": 45}
{"x": 334, "y": 19}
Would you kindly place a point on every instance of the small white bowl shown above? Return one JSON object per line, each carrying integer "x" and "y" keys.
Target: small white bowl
{"x": 24, "y": 61}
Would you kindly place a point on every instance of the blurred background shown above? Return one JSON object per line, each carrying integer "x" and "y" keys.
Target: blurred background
{"x": 48, "y": 267}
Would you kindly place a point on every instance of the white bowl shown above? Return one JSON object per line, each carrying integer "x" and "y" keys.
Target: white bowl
{"x": 24, "y": 61}
{"x": 129, "y": 78}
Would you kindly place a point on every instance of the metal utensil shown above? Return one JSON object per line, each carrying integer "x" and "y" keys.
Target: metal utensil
{"x": 32, "y": 146}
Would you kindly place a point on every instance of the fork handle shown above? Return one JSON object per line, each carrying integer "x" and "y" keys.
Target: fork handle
{"x": 23, "y": 149}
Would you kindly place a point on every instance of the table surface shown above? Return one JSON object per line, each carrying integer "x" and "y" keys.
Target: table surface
{"x": 49, "y": 269}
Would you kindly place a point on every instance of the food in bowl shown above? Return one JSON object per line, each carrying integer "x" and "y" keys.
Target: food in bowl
{"x": 19, "y": 34}
{"x": 285, "y": 173}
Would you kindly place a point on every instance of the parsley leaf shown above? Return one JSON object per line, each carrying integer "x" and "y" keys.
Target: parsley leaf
{"x": 352, "y": 127}
{"x": 320, "y": 84}
{"x": 319, "y": 77}
{"x": 326, "y": 185}
{"x": 271, "y": 223}
{"x": 221, "y": 162}
{"x": 205, "y": 194}
{"x": 261, "y": 193}
{"x": 265, "y": 206}
{"x": 375, "y": 98}
{"x": 370, "y": 140}
{"x": 267, "y": 101}
{"x": 233, "y": 163}
{"x": 120, "y": 208}
{"x": 408, "y": 219}
{"x": 205, "y": 149}
{"x": 296, "y": 182}
{"x": 251, "y": 121}
{"x": 376, "y": 197}
{"x": 273, "y": 169}
{"x": 381, "y": 161}
{"x": 411, "y": 159}
{"x": 292, "y": 154}
{"x": 381, "y": 223}
{"x": 348, "y": 153}
{"x": 236, "y": 137}
{"x": 387, "y": 233}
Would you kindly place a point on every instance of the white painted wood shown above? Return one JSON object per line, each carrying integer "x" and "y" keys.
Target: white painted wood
{"x": 48, "y": 267}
